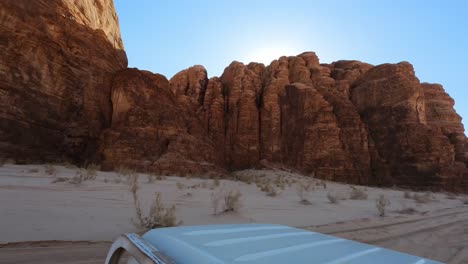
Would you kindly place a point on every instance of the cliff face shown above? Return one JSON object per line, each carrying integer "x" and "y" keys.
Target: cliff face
{"x": 57, "y": 62}
{"x": 347, "y": 121}
{"x": 65, "y": 93}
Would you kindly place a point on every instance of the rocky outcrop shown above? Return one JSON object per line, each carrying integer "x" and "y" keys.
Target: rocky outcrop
{"x": 151, "y": 131}
{"x": 65, "y": 94}
{"x": 57, "y": 62}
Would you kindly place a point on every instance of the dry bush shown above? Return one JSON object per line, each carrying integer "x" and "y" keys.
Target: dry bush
{"x": 333, "y": 198}
{"x": 159, "y": 214}
{"x": 321, "y": 183}
{"x": 91, "y": 172}
{"x": 160, "y": 177}
{"x": 204, "y": 185}
{"x": 83, "y": 175}
{"x": 59, "y": 179}
{"x": 215, "y": 198}
{"x": 77, "y": 179}
{"x": 422, "y": 198}
{"x": 407, "y": 195}
{"x": 249, "y": 179}
{"x": 118, "y": 179}
{"x": 357, "y": 193}
{"x": 69, "y": 165}
{"x": 381, "y": 204}
{"x": 269, "y": 190}
{"x": 33, "y": 170}
{"x": 451, "y": 196}
{"x": 133, "y": 183}
{"x": 180, "y": 185}
{"x": 302, "y": 191}
{"x": 106, "y": 180}
{"x": 408, "y": 210}
{"x": 465, "y": 200}
{"x": 216, "y": 183}
{"x": 232, "y": 202}
{"x": 50, "y": 170}
{"x": 150, "y": 178}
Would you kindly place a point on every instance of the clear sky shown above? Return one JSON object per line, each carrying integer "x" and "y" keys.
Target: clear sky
{"x": 167, "y": 36}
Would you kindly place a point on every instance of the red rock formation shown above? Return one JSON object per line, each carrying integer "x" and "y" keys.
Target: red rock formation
{"x": 391, "y": 101}
{"x": 57, "y": 61}
{"x": 64, "y": 92}
{"x": 151, "y": 131}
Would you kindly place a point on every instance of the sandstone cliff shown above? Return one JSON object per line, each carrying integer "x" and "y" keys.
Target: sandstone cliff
{"x": 57, "y": 62}
{"x": 65, "y": 93}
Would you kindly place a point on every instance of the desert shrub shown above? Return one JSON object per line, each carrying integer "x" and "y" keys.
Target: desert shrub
{"x": 90, "y": 173}
{"x": 381, "y": 204}
{"x": 407, "y": 210}
{"x": 50, "y": 170}
{"x": 249, "y": 179}
{"x": 465, "y": 201}
{"x": 268, "y": 189}
{"x": 451, "y": 196}
{"x": 60, "y": 179}
{"x": 118, "y": 179}
{"x": 303, "y": 189}
{"x": 106, "y": 180}
{"x": 133, "y": 183}
{"x": 215, "y": 199}
{"x": 69, "y": 165}
{"x": 357, "y": 193}
{"x": 77, "y": 179}
{"x": 151, "y": 178}
{"x": 333, "y": 198}
{"x": 180, "y": 185}
{"x": 204, "y": 185}
{"x": 33, "y": 170}
{"x": 321, "y": 183}
{"x": 216, "y": 183}
{"x": 160, "y": 215}
{"x": 422, "y": 198}
{"x": 407, "y": 195}
{"x": 232, "y": 201}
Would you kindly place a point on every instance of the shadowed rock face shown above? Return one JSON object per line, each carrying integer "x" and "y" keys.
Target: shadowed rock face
{"x": 66, "y": 93}
{"x": 57, "y": 62}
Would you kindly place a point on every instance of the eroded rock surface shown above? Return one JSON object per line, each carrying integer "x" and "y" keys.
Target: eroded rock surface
{"x": 57, "y": 62}
{"x": 65, "y": 93}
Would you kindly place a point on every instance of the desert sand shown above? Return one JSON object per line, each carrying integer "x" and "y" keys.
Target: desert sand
{"x": 38, "y": 215}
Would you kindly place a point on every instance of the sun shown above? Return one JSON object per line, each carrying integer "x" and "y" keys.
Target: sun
{"x": 266, "y": 55}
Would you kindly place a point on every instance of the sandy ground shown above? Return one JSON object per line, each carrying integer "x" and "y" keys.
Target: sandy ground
{"x": 33, "y": 209}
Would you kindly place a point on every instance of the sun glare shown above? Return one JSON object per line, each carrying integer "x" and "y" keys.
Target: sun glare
{"x": 266, "y": 55}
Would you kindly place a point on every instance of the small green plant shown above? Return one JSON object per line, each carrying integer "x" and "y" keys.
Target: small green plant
{"x": 381, "y": 204}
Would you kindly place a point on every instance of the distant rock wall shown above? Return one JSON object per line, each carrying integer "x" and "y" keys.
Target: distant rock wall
{"x": 57, "y": 59}
{"x": 65, "y": 93}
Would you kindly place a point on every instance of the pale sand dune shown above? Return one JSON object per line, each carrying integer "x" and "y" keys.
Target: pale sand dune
{"x": 34, "y": 209}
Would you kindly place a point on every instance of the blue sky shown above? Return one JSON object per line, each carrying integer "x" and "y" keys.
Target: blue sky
{"x": 167, "y": 36}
